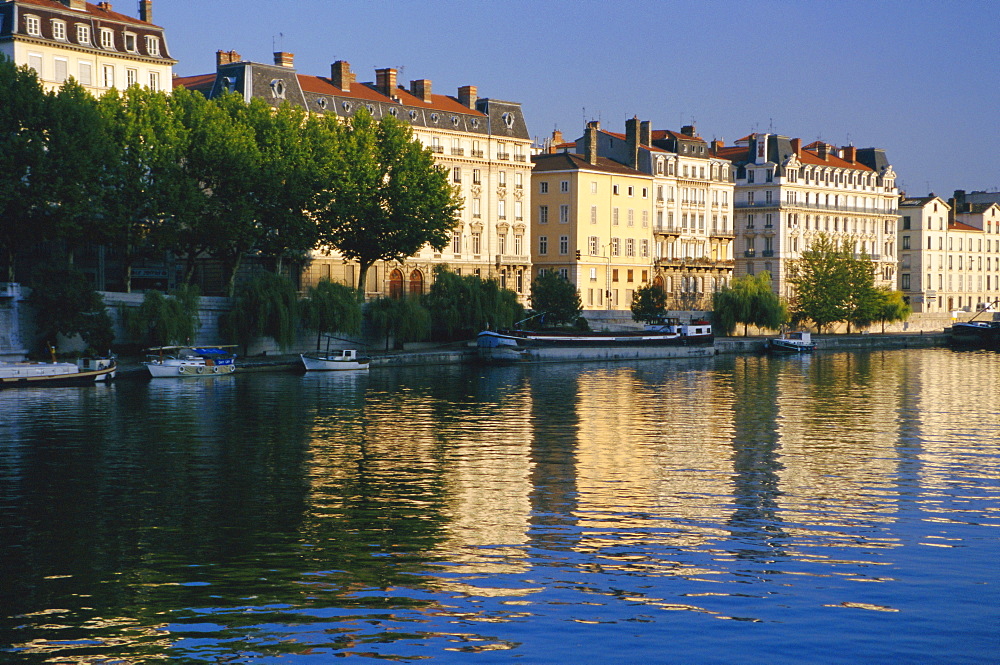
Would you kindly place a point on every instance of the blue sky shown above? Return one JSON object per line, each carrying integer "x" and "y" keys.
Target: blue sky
{"x": 919, "y": 79}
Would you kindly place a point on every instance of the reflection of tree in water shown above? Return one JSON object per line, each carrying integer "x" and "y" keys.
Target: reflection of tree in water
{"x": 756, "y": 455}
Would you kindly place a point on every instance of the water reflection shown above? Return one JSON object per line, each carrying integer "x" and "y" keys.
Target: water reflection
{"x": 425, "y": 511}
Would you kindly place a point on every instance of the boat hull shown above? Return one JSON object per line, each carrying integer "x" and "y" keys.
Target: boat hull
{"x": 782, "y": 347}
{"x": 187, "y": 369}
{"x": 502, "y": 348}
{"x": 56, "y": 374}
{"x": 975, "y": 335}
{"x": 322, "y": 363}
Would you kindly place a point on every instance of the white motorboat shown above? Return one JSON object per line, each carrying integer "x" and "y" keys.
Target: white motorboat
{"x": 792, "y": 342}
{"x": 333, "y": 360}
{"x": 83, "y": 371}
{"x": 185, "y": 361}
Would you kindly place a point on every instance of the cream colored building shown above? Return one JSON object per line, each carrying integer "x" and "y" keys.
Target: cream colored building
{"x": 98, "y": 47}
{"x": 691, "y": 217}
{"x": 483, "y": 144}
{"x": 787, "y": 194}
{"x": 592, "y": 224}
{"x": 949, "y": 254}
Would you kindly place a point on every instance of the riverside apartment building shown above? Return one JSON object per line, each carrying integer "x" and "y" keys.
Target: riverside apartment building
{"x": 483, "y": 144}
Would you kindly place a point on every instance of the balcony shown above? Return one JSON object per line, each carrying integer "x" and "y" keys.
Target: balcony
{"x": 722, "y": 233}
{"x": 458, "y": 152}
{"x": 477, "y": 153}
{"x": 691, "y": 264}
{"x": 666, "y": 230}
{"x": 767, "y": 253}
{"x": 503, "y": 155}
{"x": 749, "y": 253}
{"x": 438, "y": 149}
{"x": 519, "y": 158}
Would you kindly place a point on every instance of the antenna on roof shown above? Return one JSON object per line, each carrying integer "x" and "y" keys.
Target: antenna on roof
{"x": 770, "y": 125}
{"x": 281, "y": 38}
{"x": 849, "y": 139}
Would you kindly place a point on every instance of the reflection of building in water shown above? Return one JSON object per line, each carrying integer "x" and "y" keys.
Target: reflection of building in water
{"x": 837, "y": 427}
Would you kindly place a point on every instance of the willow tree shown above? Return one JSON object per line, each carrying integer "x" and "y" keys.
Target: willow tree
{"x": 385, "y": 198}
{"x": 330, "y": 307}
{"x": 463, "y": 305}
{"x": 748, "y": 300}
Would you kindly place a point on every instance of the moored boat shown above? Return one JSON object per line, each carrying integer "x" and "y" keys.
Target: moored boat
{"x": 983, "y": 334}
{"x": 182, "y": 361}
{"x": 334, "y": 360}
{"x": 669, "y": 340}
{"x": 797, "y": 341}
{"x": 83, "y": 371}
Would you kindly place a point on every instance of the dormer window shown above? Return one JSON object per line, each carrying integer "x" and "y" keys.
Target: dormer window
{"x": 278, "y": 88}
{"x": 130, "y": 42}
{"x": 107, "y": 39}
{"x": 83, "y": 34}
{"x": 153, "y": 45}
{"x": 33, "y": 26}
{"x": 59, "y": 30}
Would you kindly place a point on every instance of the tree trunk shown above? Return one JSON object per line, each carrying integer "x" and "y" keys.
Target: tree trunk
{"x": 232, "y": 274}
{"x": 363, "y": 267}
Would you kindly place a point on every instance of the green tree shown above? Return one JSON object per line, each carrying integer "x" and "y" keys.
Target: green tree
{"x": 162, "y": 320}
{"x": 463, "y": 305}
{"x": 401, "y": 319}
{"x": 386, "y": 198}
{"x": 822, "y": 280}
{"x": 556, "y": 297}
{"x": 331, "y": 307}
{"x": 892, "y": 307}
{"x": 144, "y": 179}
{"x": 748, "y": 300}
{"x": 22, "y": 151}
{"x": 864, "y": 299}
{"x": 649, "y": 304}
{"x": 265, "y": 306}
{"x": 65, "y": 303}
{"x": 77, "y": 144}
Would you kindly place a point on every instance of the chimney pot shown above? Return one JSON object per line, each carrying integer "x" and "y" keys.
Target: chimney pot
{"x": 104, "y": 6}
{"x": 688, "y": 130}
{"x": 717, "y": 145}
{"x": 421, "y": 88}
{"x": 341, "y": 76}
{"x": 226, "y": 57}
{"x": 284, "y": 59}
{"x": 385, "y": 81}
{"x": 145, "y": 10}
{"x": 467, "y": 96}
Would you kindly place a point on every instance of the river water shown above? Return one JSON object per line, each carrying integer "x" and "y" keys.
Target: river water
{"x": 841, "y": 508}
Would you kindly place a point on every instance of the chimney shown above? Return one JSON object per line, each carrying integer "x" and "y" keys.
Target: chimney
{"x": 688, "y": 130}
{"x": 632, "y": 137}
{"x": 821, "y": 151}
{"x": 385, "y": 81}
{"x": 850, "y": 153}
{"x": 421, "y": 88}
{"x": 284, "y": 59}
{"x": 590, "y": 141}
{"x": 341, "y": 76}
{"x": 226, "y": 58}
{"x": 80, "y": 5}
{"x": 104, "y": 6}
{"x": 467, "y": 96}
{"x": 557, "y": 139}
{"x": 797, "y": 147}
{"x": 717, "y": 145}
{"x": 645, "y": 133}
{"x": 145, "y": 10}
{"x": 960, "y": 197}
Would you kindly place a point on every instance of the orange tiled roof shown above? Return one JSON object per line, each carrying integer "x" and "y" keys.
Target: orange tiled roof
{"x": 651, "y": 148}
{"x": 666, "y": 133}
{"x": 565, "y": 161}
{"x": 198, "y": 82}
{"x": 809, "y": 157}
{"x": 959, "y": 226}
{"x": 91, "y": 9}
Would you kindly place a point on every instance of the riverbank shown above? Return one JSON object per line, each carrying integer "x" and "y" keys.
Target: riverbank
{"x": 459, "y": 353}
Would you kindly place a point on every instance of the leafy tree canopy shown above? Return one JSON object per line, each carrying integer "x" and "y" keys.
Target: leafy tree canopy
{"x": 266, "y": 305}
{"x": 64, "y": 302}
{"x": 556, "y": 297}
{"x": 649, "y": 304}
{"x": 748, "y": 300}
{"x": 463, "y": 305}
{"x": 330, "y": 307}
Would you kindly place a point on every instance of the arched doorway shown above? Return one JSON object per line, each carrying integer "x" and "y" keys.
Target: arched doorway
{"x": 416, "y": 283}
{"x": 396, "y": 284}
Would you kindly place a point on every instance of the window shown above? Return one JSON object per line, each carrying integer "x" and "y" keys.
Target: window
{"x": 906, "y": 242}
{"x": 59, "y": 30}
{"x": 750, "y": 176}
{"x": 456, "y": 242}
{"x": 631, "y": 217}
{"x": 645, "y": 250}
{"x": 456, "y": 172}
{"x": 543, "y": 245}
{"x": 152, "y": 45}
{"x": 543, "y": 187}
{"x": 592, "y": 245}
{"x": 108, "y": 72}
{"x": 86, "y": 73}
{"x": 630, "y": 247}
{"x": 60, "y": 69}
{"x": 615, "y": 246}
{"x": 154, "y": 81}
{"x": 502, "y": 210}
{"x": 130, "y": 44}
{"x": 518, "y": 244}
{"x": 593, "y": 187}
{"x": 564, "y": 273}
{"x": 477, "y": 177}
{"x": 477, "y": 240}
{"x": 518, "y": 182}
{"x": 83, "y": 34}
{"x": 593, "y": 214}
{"x": 593, "y": 278}
{"x": 502, "y": 178}
{"x": 517, "y": 211}
{"x": 564, "y": 214}
{"x": 905, "y": 281}
{"x": 564, "y": 244}
{"x": 543, "y": 214}
{"x": 614, "y": 189}
{"x": 131, "y": 77}
{"x": 614, "y": 216}
{"x": 477, "y": 208}
{"x": 33, "y": 26}
{"x": 35, "y": 62}
{"x": 564, "y": 186}
{"x": 645, "y": 219}
{"x": 502, "y": 243}
{"x": 631, "y": 191}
